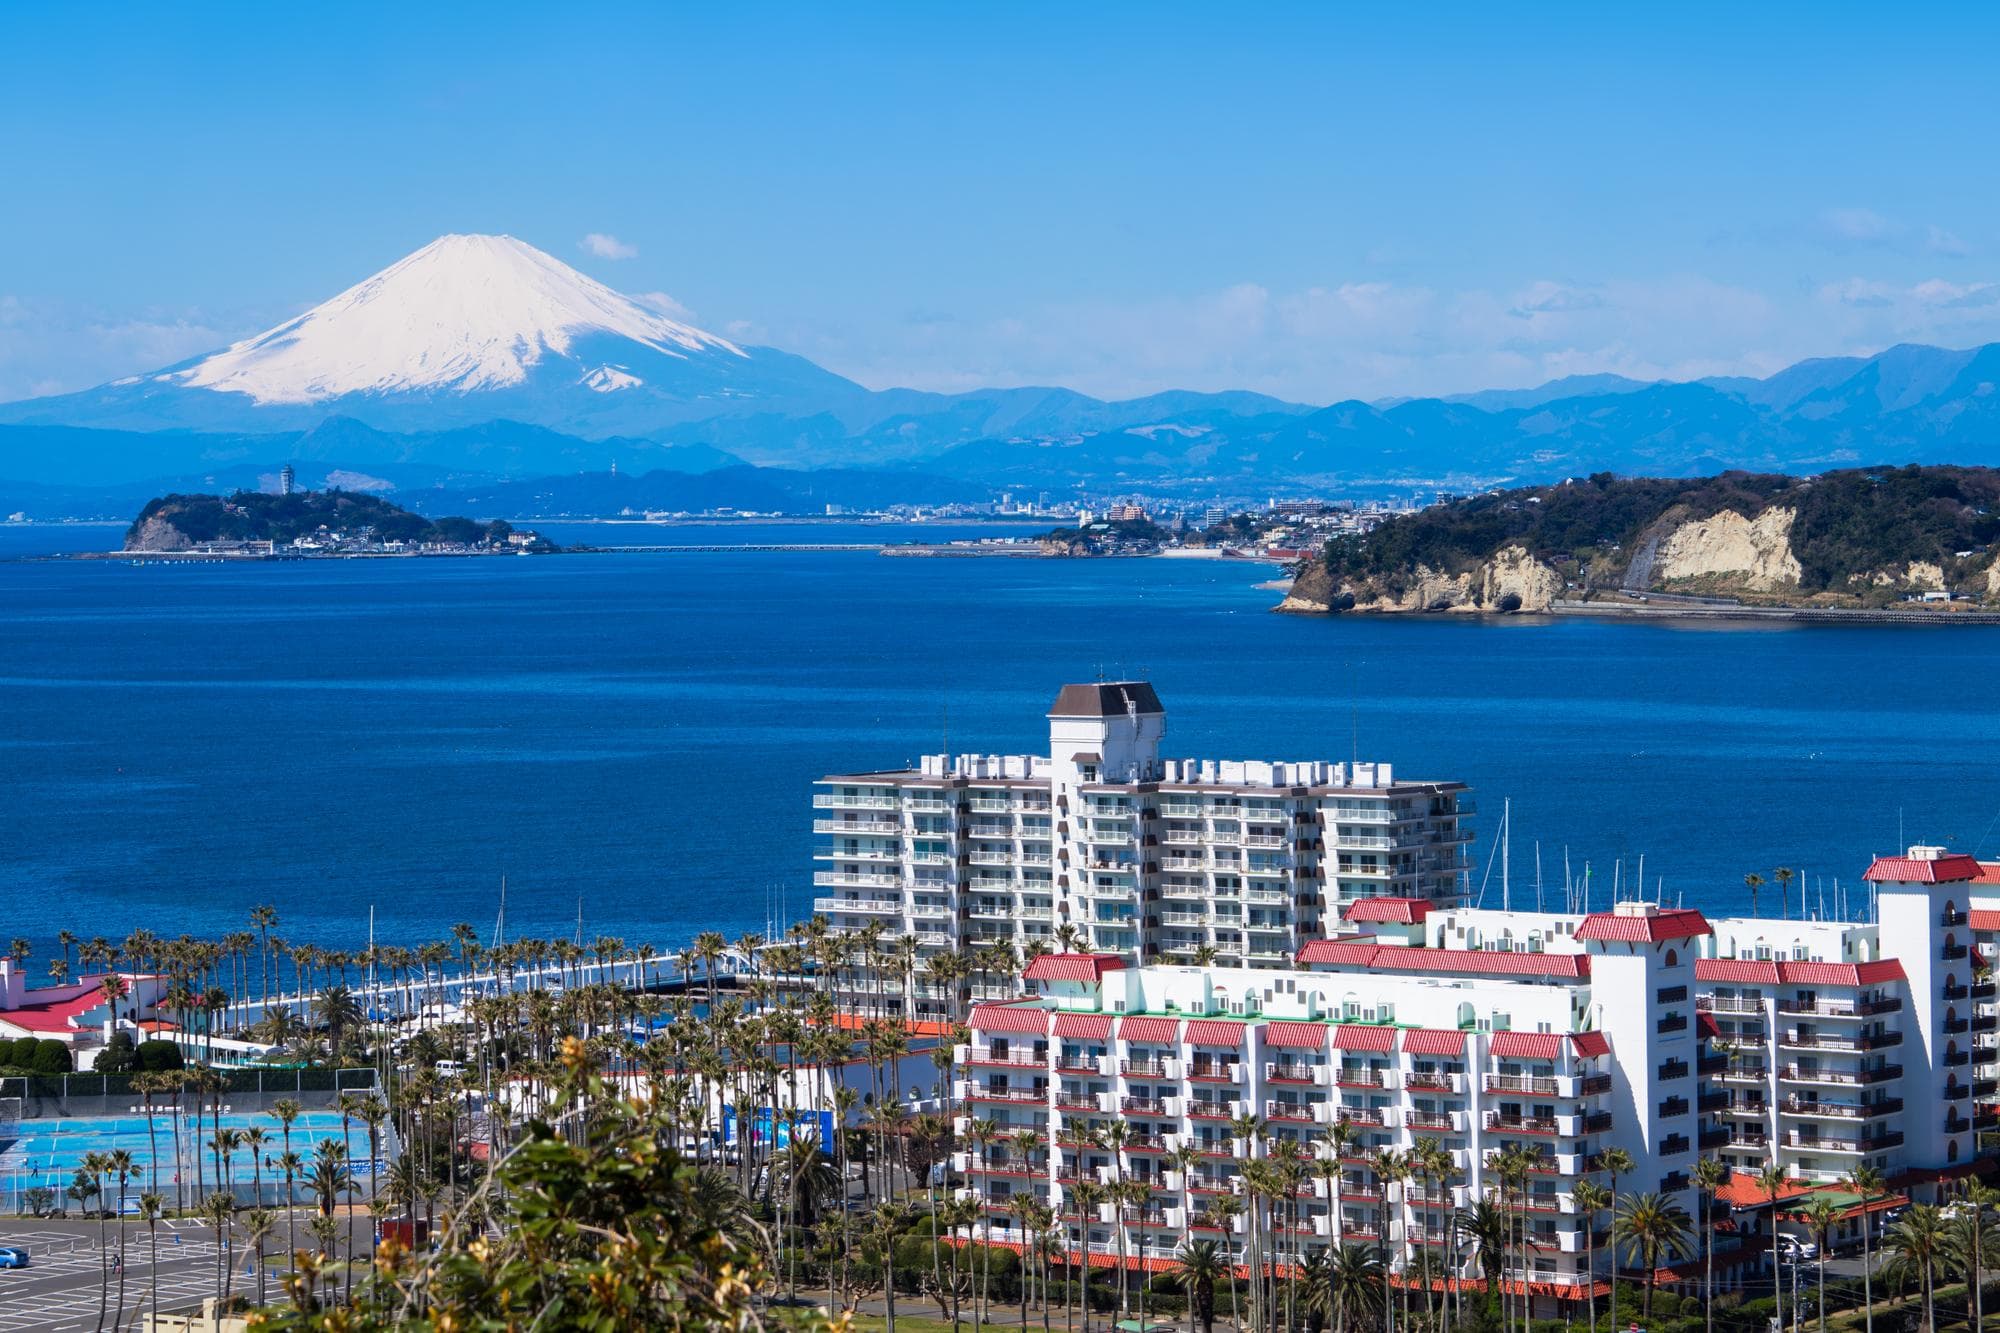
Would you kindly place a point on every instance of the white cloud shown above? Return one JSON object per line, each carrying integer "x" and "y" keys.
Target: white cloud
{"x": 57, "y": 347}
{"x": 665, "y": 305}
{"x": 1941, "y": 242}
{"x": 1859, "y": 224}
{"x": 606, "y": 246}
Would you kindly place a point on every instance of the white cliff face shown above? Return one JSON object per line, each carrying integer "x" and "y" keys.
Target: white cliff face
{"x": 1757, "y": 552}
{"x": 1513, "y": 571}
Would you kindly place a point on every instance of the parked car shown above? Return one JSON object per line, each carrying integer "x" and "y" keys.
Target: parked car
{"x": 1795, "y": 1250}
{"x": 13, "y": 1256}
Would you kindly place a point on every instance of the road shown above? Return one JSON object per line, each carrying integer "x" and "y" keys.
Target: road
{"x": 58, "y": 1291}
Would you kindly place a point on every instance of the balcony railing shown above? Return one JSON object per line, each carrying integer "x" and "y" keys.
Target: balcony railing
{"x": 1283, "y": 1072}
{"x": 1528, "y": 1083}
{"x": 1841, "y": 1077}
{"x": 1824, "y": 1041}
{"x": 1520, "y": 1124}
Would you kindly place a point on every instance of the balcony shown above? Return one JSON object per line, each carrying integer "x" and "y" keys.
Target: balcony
{"x": 859, "y": 827}
{"x": 1359, "y": 1115}
{"x": 1839, "y": 1077}
{"x": 1822, "y": 1041}
{"x": 858, "y": 879}
{"x": 836, "y": 801}
{"x": 1351, "y": 1076}
{"x": 1840, "y": 1008}
{"x": 978, "y": 1055}
{"x": 1150, "y": 1106}
{"x": 1201, "y": 1109}
{"x": 1792, "y": 1138}
{"x": 1088, "y": 1103}
{"x": 1435, "y": 1120}
{"x": 1146, "y": 1068}
{"x": 1533, "y": 1084}
{"x": 1298, "y": 1113}
{"x": 1727, "y": 1004}
{"x": 1292, "y": 1073}
{"x": 1214, "y": 1073}
{"x": 1672, "y": 1023}
{"x": 981, "y": 1092}
{"x": 881, "y": 906}
{"x": 1432, "y": 1081}
{"x": 1803, "y": 1106}
{"x": 1501, "y": 1123}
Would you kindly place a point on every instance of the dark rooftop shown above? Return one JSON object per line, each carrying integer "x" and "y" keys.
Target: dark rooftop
{"x": 1106, "y": 699}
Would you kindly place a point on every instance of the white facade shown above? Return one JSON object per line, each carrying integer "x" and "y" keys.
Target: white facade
{"x": 1239, "y": 862}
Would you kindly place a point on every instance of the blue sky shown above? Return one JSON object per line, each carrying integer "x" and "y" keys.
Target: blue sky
{"x": 1311, "y": 201}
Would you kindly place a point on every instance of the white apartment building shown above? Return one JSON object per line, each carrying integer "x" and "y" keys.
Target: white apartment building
{"x": 1234, "y": 862}
{"x": 1814, "y": 1045}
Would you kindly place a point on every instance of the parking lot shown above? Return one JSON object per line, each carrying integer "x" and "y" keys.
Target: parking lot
{"x": 58, "y": 1290}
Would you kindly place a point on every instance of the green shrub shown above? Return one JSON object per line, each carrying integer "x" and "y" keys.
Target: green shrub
{"x": 118, "y": 1056}
{"x": 51, "y": 1057}
{"x": 155, "y": 1055}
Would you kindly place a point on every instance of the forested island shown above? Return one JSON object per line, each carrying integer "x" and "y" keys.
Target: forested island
{"x": 329, "y": 522}
{"x": 1863, "y": 539}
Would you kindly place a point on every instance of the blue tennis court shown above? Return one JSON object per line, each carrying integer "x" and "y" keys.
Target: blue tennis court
{"x": 48, "y": 1152}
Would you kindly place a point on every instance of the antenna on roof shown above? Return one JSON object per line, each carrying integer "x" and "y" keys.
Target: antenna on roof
{"x": 1538, "y": 874}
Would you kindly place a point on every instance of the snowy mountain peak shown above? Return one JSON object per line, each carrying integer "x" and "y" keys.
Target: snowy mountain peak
{"x": 463, "y": 314}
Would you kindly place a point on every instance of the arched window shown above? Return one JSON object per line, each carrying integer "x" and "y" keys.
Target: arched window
{"x": 1951, "y": 1151}
{"x": 1466, "y": 1016}
{"x": 1673, "y": 958}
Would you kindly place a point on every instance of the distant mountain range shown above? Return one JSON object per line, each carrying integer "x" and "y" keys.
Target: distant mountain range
{"x": 480, "y": 358}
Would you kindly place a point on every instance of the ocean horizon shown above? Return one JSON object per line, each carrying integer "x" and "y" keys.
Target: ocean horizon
{"x": 637, "y": 735}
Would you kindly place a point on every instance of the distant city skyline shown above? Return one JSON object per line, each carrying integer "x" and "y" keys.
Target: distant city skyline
{"x": 1310, "y": 204}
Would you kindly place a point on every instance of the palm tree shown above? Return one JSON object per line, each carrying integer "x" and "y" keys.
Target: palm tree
{"x": 260, "y": 1223}
{"x": 1971, "y": 1244}
{"x": 1710, "y": 1175}
{"x": 1590, "y": 1199}
{"x": 1353, "y": 1287}
{"x": 1820, "y": 1216}
{"x": 150, "y": 1207}
{"x": 1652, "y": 1229}
{"x": 119, "y": 1163}
{"x": 1753, "y": 882}
{"x": 1772, "y": 1180}
{"x": 1784, "y": 876}
{"x": 1921, "y": 1243}
{"x": 1197, "y": 1268}
{"x": 1869, "y": 1183}
{"x": 1616, "y": 1162}
{"x": 90, "y": 1177}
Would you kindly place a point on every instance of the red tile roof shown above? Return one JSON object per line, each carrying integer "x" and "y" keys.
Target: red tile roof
{"x": 1434, "y": 1041}
{"x": 1483, "y": 962}
{"x": 1215, "y": 1031}
{"x": 1989, "y": 873}
{"x": 1009, "y": 1018}
{"x": 1590, "y": 1043}
{"x": 1090, "y": 1027}
{"x": 1772, "y": 973}
{"x": 1527, "y": 1045}
{"x": 1906, "y": 870}
{"x": 54, "y": 1016}
{"x": 1985, "y": 918}
{"x": 1072, "y": 967}
{"x": 1164, "y": 1031}
{"x": 1395, "y": 911}
{"x": 1298, "y": 1036}
{"x": 1677, "y": 924}
{"x": 1363, "y": 1037}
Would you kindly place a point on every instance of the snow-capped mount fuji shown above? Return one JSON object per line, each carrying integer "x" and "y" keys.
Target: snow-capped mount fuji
{"x": 461, "y": 315}
{"x": 468, "y": 329}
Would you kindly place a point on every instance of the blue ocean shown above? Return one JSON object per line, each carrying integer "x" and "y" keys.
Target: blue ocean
{"x": 632, "y": 738}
